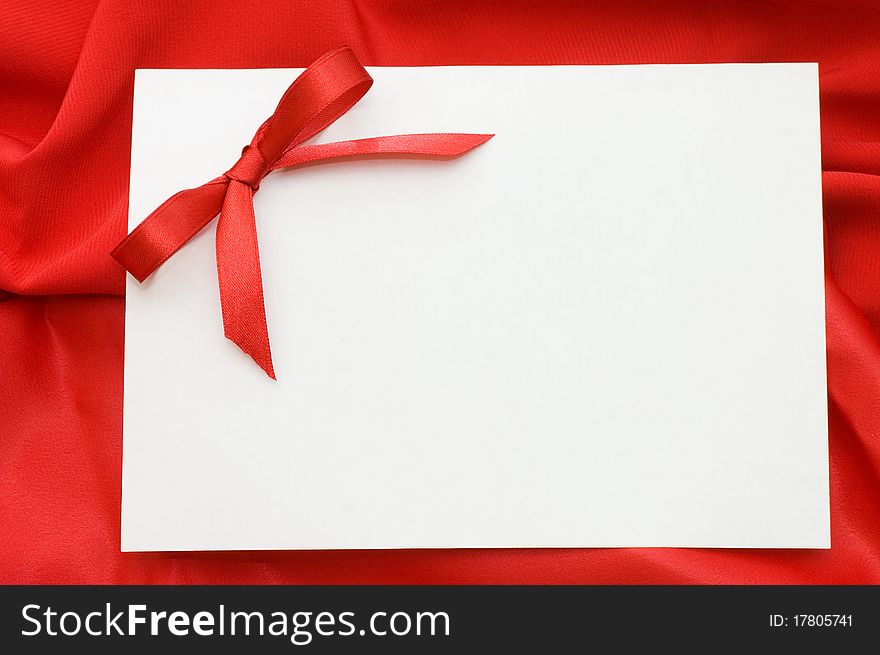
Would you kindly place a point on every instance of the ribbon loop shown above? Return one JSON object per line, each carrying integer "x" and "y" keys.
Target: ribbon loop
{"x": 321, "y": 94}
{"x": 324, "y": 92}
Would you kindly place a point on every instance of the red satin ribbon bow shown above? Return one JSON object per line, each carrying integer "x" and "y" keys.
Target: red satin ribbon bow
{"x": 321, "y": 94}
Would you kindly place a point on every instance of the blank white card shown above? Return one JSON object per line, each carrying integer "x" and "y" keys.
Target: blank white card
{"x": 604, "y": 327}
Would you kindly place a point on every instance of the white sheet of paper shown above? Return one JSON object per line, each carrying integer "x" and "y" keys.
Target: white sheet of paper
{"x": 605, "y": 327}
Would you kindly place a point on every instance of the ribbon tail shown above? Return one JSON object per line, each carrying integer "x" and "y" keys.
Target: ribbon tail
{"x": 420, "y": 146}
{"x": 240, "y": 278}
{"x": 168, "y": 228}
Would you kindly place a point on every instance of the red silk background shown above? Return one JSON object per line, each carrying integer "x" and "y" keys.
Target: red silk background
{"x": 66, "y": 79}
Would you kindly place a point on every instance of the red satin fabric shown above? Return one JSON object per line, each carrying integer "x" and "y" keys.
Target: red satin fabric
{"x": 327, "y": 89}
{"x": 65, "y": 109}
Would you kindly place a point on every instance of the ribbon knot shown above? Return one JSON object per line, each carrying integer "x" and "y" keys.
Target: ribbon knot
{"x": 320, "y": 95}
{"x": 250, "y": 169}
